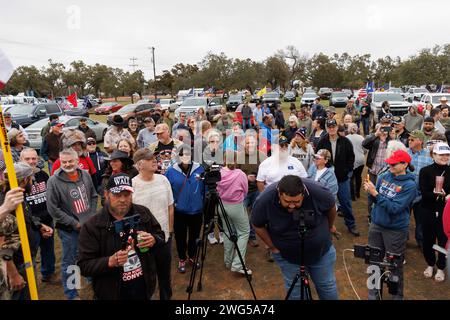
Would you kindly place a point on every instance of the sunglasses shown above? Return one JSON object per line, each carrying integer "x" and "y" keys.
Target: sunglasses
{"x": 91, "y": 143}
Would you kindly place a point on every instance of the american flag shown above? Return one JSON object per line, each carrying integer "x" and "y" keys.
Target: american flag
{"x": 80, "y": 203}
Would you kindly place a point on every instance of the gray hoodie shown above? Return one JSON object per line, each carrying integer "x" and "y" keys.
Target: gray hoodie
{"x": 68, "y": 202}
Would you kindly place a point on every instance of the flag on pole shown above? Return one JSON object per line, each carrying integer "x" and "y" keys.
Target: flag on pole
{"x": 73, "y": 99}
{"x": 6, "y": 69}
{"x": 262, "y": 91}
{"x": 369, "y": 87}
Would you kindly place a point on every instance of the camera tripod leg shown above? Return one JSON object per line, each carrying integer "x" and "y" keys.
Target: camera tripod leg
{"x": 233, "y": 237}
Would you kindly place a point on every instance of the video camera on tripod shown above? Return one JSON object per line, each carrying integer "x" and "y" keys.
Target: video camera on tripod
{"x": 211, "y": 176}
{"x": 126, "y": 228}
{"x": 387, "y": 263}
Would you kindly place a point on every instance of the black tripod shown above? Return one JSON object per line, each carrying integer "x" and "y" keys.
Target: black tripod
{"x": 305, "y": 289}
{"x": 209, "y": 215}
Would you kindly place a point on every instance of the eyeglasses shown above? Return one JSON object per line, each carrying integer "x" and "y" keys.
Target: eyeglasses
{"x": 91, "y": 143}
{"x": 213, "y": 141}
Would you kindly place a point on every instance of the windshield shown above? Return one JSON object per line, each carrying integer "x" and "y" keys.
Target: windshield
{"x": 164, "y": 101}
{"x": 421, "y": 90}
{"x": 436, "y": 98}
{"x": 271, "y": 95}
{"x": 194, "y": 102}
{"x": 309, "y": 96}
{"x": 339, "y": 95}
{"x": 127, "y": 108}
{"x": 21, "y": 109}
{"x": 235, "y": 98}
{"x": 290, "y": 93}
{"x": 387, "y": 97}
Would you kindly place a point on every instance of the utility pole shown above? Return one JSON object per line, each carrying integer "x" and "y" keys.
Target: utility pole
{"x": 134, "y": 65}
{"x": 154, "y": 70}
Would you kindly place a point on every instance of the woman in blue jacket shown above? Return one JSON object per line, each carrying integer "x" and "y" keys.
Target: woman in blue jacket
{"x": 392, "y": 196}
{"x": 188, "y": 193}
{"x": 323, "y": 172}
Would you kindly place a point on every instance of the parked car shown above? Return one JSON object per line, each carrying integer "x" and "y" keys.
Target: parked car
{"x": 26, "y": 114}
{"x": 348, "y": 92}
{"x": 289, "y": 96}
{"x": 80, "y": 110}
{"x": 108, "y": 107}
{"x": 338, "y": 99}
{"x": 138, "y": 111}
{"x": 170, "y": 104}
{"x": 34, "y": 130}
{"x": 308, "y": 98}
{"x": 415, "y": 94}
{"x": 432, "y": 98}
{"x": 325, "y": 93}
{"x": 271, "y": 99}
{"x": 94, "y": 100}
{"x": 234, "y": 101}
{"x": 191, "y": 105}
{"x": 398, "y": 106}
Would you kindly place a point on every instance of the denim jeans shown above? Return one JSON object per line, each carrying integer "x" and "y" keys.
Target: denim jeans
{"x": 47, "y": 249}
{"x": 246, "y": 124}
{"x": 50, "y": 166}
{"x": 321, "y": 273}
{"x": 248, "y": 203}
{"x": 69, "y": 243}
{"x": 366, "y": 125}
{"x": 163, "y": 260}
{"x": 345, "y": 202}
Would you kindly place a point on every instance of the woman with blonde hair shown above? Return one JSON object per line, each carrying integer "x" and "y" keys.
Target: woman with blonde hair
{"x": 200, "y": 116}
{"x": 300, "y": 148}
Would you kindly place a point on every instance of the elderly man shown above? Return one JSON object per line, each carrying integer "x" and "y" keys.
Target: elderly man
{"x": 71, "y": 201}
{"x": 147, "y": 135}
{"x": 164, "y": 147}
{"x": 115, "y": 134}
{"x": 443, "y": 103}
{"x": 154, "y": 192}
{"x": 10, "y": 124}
{"x": 36, "y": 197}
{"x": 120, "y": 257}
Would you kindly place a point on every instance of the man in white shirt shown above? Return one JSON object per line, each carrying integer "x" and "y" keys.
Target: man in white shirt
{"x": 154, "y": 192}
{"x": 279, "y": 165}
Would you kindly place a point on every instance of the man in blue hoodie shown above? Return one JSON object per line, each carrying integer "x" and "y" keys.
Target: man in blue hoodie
{"x": 393, "y": 197}
{"x": 188, "y": 195}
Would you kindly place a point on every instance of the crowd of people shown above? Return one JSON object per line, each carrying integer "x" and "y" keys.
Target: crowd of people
{"x": 116, "y": 210}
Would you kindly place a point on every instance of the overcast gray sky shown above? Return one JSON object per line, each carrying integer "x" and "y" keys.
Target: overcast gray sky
{"x": 112, "y": 32}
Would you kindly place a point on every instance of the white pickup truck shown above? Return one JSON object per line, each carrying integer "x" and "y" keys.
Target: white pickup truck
{"x": 397, "y": 105}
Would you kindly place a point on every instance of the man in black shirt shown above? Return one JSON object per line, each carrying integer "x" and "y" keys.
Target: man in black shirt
{"x": 274, "y": 222}
{"x": 165, "y": 147}
{"x": 121, "y": 267}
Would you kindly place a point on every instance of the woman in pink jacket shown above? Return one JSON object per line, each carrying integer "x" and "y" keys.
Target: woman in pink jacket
{"x": 233, "y": 188}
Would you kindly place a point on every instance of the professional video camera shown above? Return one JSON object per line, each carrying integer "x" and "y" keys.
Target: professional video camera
{"x": 389, "y": 261}
{"x": 126, "y": 228}
{"x": 212, "y": 175}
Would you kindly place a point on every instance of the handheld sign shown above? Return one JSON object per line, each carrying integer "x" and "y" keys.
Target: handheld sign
{"x": 19, "y": 211}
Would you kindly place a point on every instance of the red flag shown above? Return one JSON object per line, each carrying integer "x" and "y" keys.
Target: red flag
{"x": 73, "y": 99}
{"x": 6, "y": 69}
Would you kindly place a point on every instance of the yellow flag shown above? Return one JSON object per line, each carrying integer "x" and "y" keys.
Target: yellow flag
{"x": 262, "y": 91}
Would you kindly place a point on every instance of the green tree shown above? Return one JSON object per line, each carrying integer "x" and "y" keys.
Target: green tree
{"x": 277, "y": 71}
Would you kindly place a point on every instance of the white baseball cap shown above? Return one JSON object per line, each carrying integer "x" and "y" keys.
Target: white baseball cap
{"x": 441, "y": 148}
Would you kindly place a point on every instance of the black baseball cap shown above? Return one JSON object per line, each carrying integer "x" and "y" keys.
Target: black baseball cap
{"x": 119, "y": 182}
{"x": 331, "y": 123}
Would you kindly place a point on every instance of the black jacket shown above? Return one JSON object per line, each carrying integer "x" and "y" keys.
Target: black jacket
{"x": 372, "y": 143}
{"x": 344, "y": 157}
{"x": 431, "y": 203}
{"x": 98, "y": 241}
{"x": 88, "y": 132}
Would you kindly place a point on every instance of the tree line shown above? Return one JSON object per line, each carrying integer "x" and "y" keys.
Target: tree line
{"x": 428, "y": 66}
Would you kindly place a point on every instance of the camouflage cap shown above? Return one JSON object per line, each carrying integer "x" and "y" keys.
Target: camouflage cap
{"x": 418, "y": 134}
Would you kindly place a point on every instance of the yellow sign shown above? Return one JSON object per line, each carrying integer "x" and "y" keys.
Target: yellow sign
{"x": 19, "y": 211}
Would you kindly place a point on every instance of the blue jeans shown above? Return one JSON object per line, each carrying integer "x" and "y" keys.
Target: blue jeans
{"x": 248, "y": 203}
{"x": 47, "y": 247}
{"x": 246, "y": 124}
{"x": 69, "y": 242}
{"x": 345, "y": 202}
{"x": 321, "y": 273}
{"x": 366, "y": 125}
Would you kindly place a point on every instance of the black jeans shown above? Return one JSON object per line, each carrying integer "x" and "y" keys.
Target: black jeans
{"x": 163, "y": 260}
{"x": 433, "y": 230}
{"x": 356, "y": 182}
{"x": 183, "y": 225}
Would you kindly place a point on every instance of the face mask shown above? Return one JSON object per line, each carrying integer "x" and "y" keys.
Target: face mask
{"x": 69, "y": 170}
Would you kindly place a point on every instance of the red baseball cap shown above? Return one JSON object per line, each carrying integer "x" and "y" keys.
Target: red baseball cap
{"x": 398, "y": 156}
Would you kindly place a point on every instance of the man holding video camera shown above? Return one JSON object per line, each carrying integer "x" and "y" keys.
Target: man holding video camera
{"x": 275, "y": 223}
{"x": 115, "y": 245}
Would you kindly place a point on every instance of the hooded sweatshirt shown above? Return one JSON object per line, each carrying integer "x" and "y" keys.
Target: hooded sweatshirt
{"x": 188, "y": 190}
{"x": 413, "y": 122}
{"x": 233, "y": 186}
{"x": 69, "y": 202}
{"x": 393, "y": 202}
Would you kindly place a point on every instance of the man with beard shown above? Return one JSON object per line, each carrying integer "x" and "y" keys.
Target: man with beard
{"x": 71, "y": 201}
{"x": 121, "y": 267}
{"x": 428, "y": 128}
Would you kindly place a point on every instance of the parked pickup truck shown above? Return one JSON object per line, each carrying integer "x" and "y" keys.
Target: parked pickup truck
{"x": 398, "y": 106}
{"x": 191, "y": 105}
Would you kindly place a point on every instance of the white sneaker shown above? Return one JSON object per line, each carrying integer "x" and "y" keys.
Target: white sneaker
{"x": 439, "y": 276}
{"x": 220, "y": 237}
{"x": 428, "y": 273}
{"x": 249, "y": 272}
{"x": 212, "y": 238}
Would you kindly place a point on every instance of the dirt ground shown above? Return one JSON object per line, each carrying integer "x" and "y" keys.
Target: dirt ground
{"x": 221, "y": 284}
